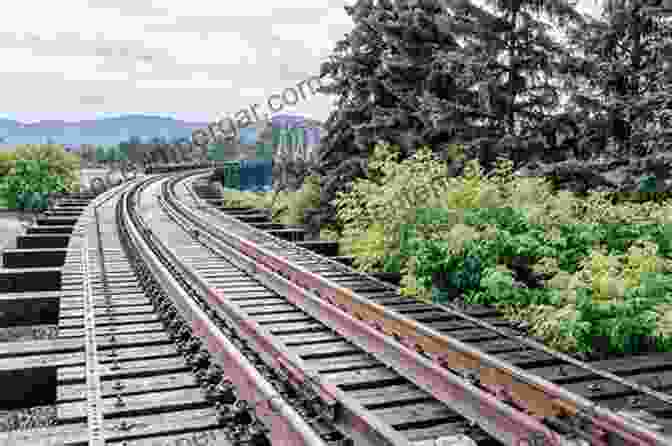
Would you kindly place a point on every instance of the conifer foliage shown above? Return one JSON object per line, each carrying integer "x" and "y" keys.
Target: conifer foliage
{"x": 530, "y": 80}
{"x": 623, "y": 96}
{"x": 439, "y": 73}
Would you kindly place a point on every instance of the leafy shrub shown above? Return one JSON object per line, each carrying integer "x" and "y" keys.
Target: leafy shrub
{"x": 59, "y": 162}
{"x": 368, "y": 249}
{"x": 619, "y": 321}
{"x": 600, "y": 270}
{"x": 447, "y": 264}
{"x": 286, "y": 207}
{"x": 409, "y": 282}
{"x": 419, "y": 211}
{"x": 619, "y": 298}
{"x": 497, "y": 283}
{"x": 29, "y": 184}
{"x": 308, "y": 196}
{"x": 7, "y": 162}
{"x": 329, "y": 233}
{"x": 497, "y": 287}
{"x": 389, "y": 196}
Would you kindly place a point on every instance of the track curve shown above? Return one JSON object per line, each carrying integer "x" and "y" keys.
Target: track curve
{"x": 285, "y": 258}
{"x": 175, "y": 312}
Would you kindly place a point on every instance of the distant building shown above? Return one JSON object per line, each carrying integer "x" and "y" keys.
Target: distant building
{"x": 284, "y": 136}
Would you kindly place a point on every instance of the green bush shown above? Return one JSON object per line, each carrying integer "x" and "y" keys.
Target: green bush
{"x": 389, "y": 196}
{"x": 287, "y": 207}
{"x": 59, "y": 162}
{"x": 292, "y": 209}
{"x": 7, "y": 162}
{"x": 29, "y": 185}
{"x": 101, "y": 154}
{"x": 461, "y": 233}
{"x": 605, "y": 271}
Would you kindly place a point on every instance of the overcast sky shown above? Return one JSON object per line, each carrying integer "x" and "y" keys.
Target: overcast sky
{"x": 202, "y": 59}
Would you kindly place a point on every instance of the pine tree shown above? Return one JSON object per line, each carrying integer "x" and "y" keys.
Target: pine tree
{"x": 101, "y": 154}
{"x": 440, "y": 73}
{"x": 625, "y": 100}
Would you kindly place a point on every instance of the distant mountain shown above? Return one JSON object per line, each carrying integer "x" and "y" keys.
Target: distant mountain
{"x": 100, "y": 131}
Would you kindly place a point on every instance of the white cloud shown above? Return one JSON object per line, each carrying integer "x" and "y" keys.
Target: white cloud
{"x": 199, "y": 82}
{"x": 189, "y": 48}
{"x": 264, "y": 8}
{"x": 252, "y": 92}
{"x": 143, "y": 67}
{"x": 202, "y": 57}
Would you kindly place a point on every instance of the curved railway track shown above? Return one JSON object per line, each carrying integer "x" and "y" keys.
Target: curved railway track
{"x": 581, "y": 403}
{"x": 180, "y": 323}
{"x": 328, "y": 389}
{"x": 119, "y": 372}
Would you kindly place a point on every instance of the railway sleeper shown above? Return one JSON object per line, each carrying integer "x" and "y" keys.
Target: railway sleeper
{"x": 343, "y": 350}
{"x": 131, "y": 387}
{"x": 196, "y": 357}
{"x": 420, "y": 421}
{"x": 338, "y": 354}
{"x": 525, "y": 357}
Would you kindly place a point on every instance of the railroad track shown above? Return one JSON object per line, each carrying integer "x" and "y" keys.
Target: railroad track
{"x": 141, "y": 358}
{"x": 180, "y": 324}
{"x": 331, "y": 390}
{"x": 571, "y": 397}
{"x": 114, "y": 374}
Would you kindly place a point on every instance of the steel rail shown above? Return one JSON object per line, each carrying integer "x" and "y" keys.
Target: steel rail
{"x": 95, "y": 203}
{"x": 543, "y": 398}
{"x": 346, "y": 413}
{"x": 504, "y": 422}
{"x": 101, "y": 251}
{"x": 454, "y": 311}
{"x": 285, "y": 425}
{"x": 112, "y": 192}
{"x": 92, "y": 368}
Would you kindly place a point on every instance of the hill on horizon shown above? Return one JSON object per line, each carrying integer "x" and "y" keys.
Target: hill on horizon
{"x": 105, "y": 131}
{"x": 113, "y": 130}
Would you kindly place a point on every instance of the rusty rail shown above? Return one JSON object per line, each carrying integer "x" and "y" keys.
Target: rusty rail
{"x": 286, "y": 426}
{"x": 437, "y": 355}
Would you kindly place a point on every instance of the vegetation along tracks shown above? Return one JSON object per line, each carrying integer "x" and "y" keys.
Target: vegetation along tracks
{"x": 581, "y": 400}
{"x": 195, "y": 326}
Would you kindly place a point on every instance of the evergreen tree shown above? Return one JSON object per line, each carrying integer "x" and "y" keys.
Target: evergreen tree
{"x": 503, "y": 92}
{"x": 101, "y": 154}
{"x": 124, "y": 148}
{"x": 111, "y": 154}
{"x": 623, "y": 98}
{"x": 429, "y": 72}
